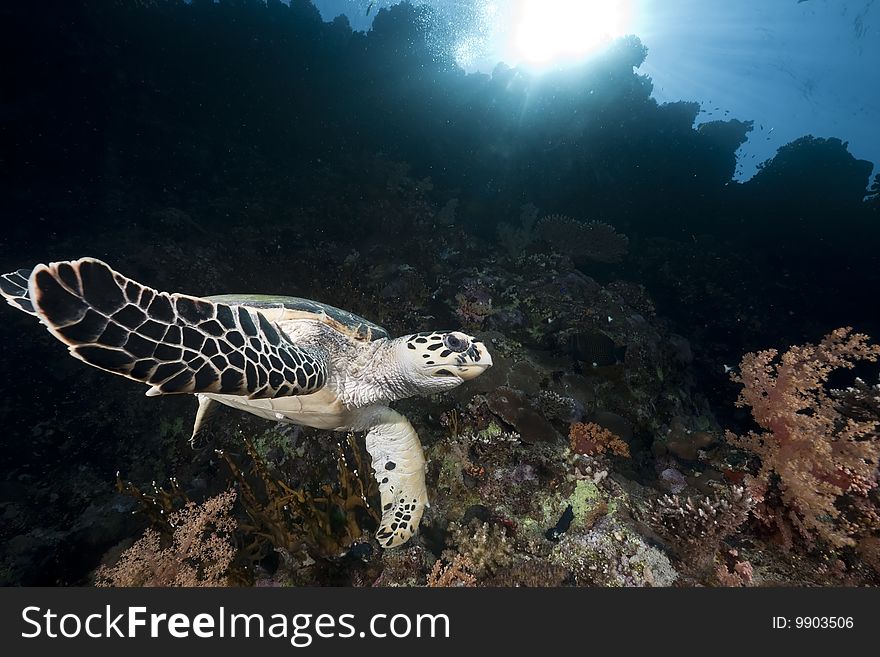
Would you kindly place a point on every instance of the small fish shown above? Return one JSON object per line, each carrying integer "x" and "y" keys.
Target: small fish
{"x": 595, "y": 348}
{"x": 556, "y": 532}
{"x": 370, "y": 7}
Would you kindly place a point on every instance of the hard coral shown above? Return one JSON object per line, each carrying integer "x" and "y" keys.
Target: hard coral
{"x": 406, "y": 566}
{"x": 859, "y": 401}
{"x": 819, "y": 454}
{"x": 612, "y": 555}
{"x": 693, "y": 528}
{"x": 485, "y": 546}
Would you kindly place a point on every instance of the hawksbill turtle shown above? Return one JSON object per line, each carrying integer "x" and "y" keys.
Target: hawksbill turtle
{"x": 282, "y": 358}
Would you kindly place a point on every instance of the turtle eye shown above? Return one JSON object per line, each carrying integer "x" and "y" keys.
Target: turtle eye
{"x": 455, "y": 343}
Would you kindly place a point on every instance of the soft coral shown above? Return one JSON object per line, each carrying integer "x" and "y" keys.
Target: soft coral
{"x": 817, "y": 453}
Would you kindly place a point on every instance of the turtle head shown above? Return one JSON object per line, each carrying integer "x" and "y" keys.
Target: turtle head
{"x": 441, "y": 360}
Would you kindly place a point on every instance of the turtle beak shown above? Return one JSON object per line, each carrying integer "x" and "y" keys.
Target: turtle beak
{"x": 468, "y": 372}
{"x": 478, "y": 362}
{"x": 462, "y": 372}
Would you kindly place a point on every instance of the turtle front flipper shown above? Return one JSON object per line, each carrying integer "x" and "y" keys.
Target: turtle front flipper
{"x": 14, "y": 288}
{"x": 399, "y": 463}
{"x": 173, "y": 342}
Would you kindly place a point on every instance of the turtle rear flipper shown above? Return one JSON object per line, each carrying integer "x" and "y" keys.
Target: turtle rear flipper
{"x": 174, "y": 342}
{"x": 14, "y": 288}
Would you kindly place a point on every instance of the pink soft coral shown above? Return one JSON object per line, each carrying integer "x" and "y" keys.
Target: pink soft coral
{"x": 817, "y": 453}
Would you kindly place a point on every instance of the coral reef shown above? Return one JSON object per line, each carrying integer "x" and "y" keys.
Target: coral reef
{"x": 612, "y": 555}
{"x": 587, "y": 417}
{"x": 408, "y": 566}
{"x": 474, "y": 304}
{"x": 605, "y": 345}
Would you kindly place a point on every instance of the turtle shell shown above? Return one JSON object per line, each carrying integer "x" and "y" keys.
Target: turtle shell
{"x": 280, "y": 308}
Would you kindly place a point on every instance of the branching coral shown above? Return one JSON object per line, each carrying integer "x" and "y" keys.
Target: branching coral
{"x": 557, "y": 407}
{"x": 860, "y": 401}
{"x": 818, "y": 453}
{"x": 485, "y": 546}
{"x": 199, "y": 553}
{"x": 694, "y": 528}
